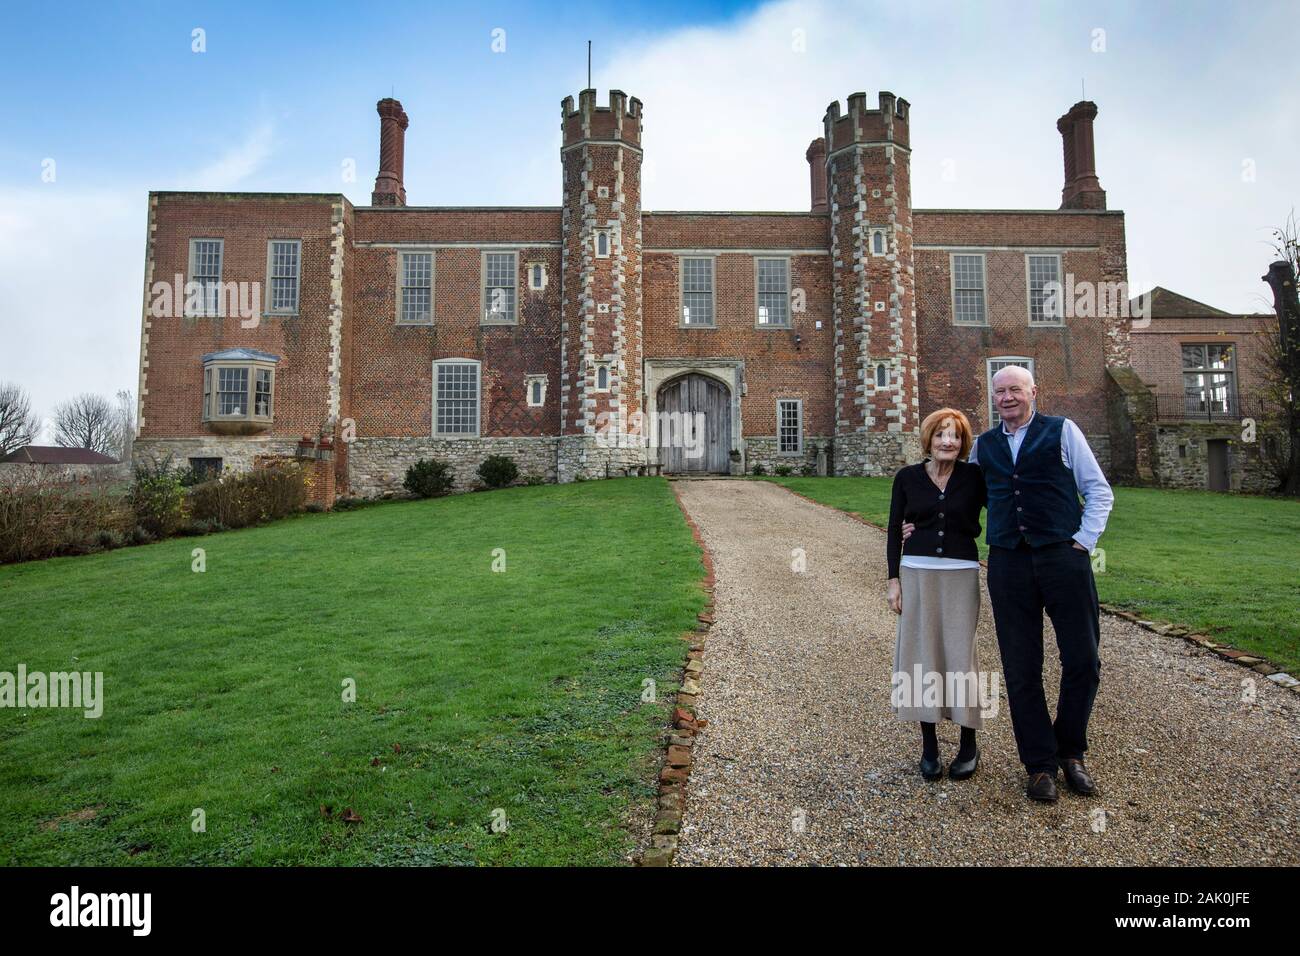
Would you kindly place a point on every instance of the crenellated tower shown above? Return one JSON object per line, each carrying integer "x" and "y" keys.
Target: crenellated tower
{"x": 601, "y": 341}
{"x": 868, "y": 186}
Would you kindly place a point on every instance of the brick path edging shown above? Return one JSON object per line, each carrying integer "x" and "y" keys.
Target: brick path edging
{"x": 1227, "y": 652}
{"x": 676, "y": 770}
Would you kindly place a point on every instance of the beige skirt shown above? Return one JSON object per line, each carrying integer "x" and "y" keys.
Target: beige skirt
{"x": 936, "y": 664}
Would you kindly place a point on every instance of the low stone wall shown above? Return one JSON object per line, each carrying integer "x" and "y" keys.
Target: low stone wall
{"x": 1101, "y": 450}
{"x": 874, "y": 454}
{"x": 1247, "y": 469}
{"x": 587, "y": 457}
{"x": 762, "y": 450}
{"x": 11, "y": 471}
{"x": 237, "y": 454}
{"x": 1130, "y": 413}
{"x": 377, "y": 466}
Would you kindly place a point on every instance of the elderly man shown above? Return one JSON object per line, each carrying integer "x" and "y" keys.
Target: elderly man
{"x": 1040, "y": 542}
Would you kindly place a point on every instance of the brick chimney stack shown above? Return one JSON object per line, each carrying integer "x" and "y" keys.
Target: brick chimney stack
{"x": 1082, "y": 188}
{"x": 389, "y": 188}
{"x": 816, "y": 157}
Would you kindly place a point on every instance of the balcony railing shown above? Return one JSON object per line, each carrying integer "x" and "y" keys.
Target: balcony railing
{"x": 1204, "y": 408}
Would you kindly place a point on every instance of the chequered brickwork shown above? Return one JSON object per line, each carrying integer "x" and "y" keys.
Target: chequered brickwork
{"x": 392, "y": 365}
{"x": 857, "y": 311}
{"x": 778, "y": 362}
{"x": 1070, "y": 359}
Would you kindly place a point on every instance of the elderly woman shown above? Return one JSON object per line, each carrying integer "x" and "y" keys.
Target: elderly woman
{"x": 934, "y": 588}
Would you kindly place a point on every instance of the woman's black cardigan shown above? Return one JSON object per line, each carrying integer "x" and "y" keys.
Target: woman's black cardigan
{"x": 947, "y": 522}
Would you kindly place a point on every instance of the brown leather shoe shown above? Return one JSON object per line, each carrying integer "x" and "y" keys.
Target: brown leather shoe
{"x": 1042, "y": 787}
{"x": 1077, "y": 777}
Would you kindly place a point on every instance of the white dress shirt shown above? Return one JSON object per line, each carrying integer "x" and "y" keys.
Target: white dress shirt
{"x": 1078, "y": 457}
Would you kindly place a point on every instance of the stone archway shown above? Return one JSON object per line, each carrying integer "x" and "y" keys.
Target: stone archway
{"x": 730, "y": 373}
{"x": 694, "y": 425}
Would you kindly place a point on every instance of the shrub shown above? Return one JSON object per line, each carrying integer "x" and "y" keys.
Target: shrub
{"x": 314, "y": 507}
{"x": 237, "y": 500}
{"x": 534, "y": 480}
{"x": 139, "y": 535}
{"x": 189, "y": 476}
{"x": 195, "y": 528}
{"x": 157, "y": 498}
{"x": 808, "y": 471}
{"x": 108, "y": 539}
{"x": 45, "y": 515}
{"x": 428, "y": 478}
{"x": 782, "y": 471}
{"x": 759, "y": 469}
{"x": 497, "y": 471}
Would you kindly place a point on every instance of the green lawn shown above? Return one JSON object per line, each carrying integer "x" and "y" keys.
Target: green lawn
{"x": 1224, "y": 565}
{"x": 476, "y": 691}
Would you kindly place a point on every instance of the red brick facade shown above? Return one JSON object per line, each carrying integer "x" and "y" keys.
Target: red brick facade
{"x": 870, "y": 346}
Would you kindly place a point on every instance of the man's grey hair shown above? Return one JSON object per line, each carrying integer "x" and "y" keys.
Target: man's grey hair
{"x": 1016, "y": 368}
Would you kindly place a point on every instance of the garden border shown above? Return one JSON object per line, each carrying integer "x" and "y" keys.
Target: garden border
{"x": 685, "y": 725}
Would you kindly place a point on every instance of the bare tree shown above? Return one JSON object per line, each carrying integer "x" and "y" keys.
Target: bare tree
{"x": 1282, "y": 355}
{"x": 18, "y": 425}
{"x": 125, "y": 423}
{"x": 88, "y": 421}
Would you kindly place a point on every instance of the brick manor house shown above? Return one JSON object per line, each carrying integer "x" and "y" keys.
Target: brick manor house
{"x": 817, "y": 339}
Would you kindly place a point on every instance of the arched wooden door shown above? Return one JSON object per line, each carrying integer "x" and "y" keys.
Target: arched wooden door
{"x": 695, "y": 426}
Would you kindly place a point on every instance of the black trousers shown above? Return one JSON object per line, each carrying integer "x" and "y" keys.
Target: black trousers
{"x": 1023, "y": 583}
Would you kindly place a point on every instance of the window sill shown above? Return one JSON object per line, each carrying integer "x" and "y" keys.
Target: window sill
{"x": 971, "y": 325}
{"x": 414, "y": 325}
{"x": 496, "y": 322}
{"x": 457, "y": 436}
{"x": 238, "y": 426}
{"x": 773, "y": 327}
{"x": 682, "y": 325}
{"x": 280, "y": 315}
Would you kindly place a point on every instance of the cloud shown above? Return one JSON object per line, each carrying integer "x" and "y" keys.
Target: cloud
{"x": 236, "y": 164}
{"x": 730, "y": 109}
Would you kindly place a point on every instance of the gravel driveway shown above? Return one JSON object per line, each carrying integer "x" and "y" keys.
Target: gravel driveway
{"x": 804, "y": 762}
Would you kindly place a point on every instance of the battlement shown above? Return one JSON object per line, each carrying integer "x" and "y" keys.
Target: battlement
{"x": 887, "y": 124}
{"x": 620, "y": 120}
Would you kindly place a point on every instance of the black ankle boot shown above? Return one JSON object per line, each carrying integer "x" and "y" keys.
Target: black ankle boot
{"x": 960, "y": 768}
{"x": 930, "y": 766}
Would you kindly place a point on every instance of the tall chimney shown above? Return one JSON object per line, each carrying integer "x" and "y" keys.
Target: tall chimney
{"x": 816, "y": 157}
{"x": 389, "y": 189}
{"x": 1082, "y": 188}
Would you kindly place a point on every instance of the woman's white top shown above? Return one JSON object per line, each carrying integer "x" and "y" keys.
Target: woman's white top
{"x": 931, "y": 563}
